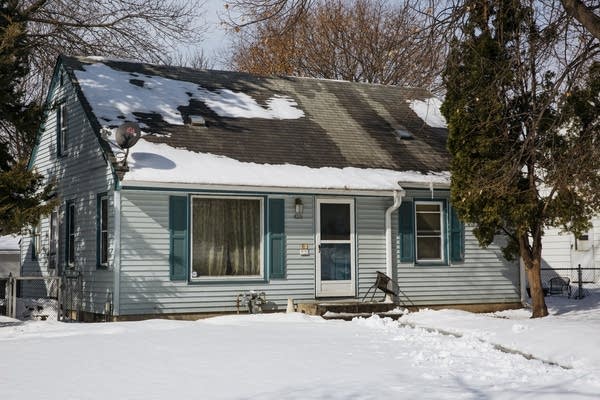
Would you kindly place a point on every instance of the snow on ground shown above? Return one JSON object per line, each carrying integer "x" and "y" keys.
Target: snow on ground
{"x": 154, "y": 162}
{"x": 293, "y": 356}
{"x": 115, "y": 95}
{"x": 569, "y": 336}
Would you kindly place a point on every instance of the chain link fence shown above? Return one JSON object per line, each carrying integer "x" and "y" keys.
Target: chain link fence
{"x": 32, "y": 298}
{"x": 583, "y": 281}
{"x": 42, "y": 298}
{"x": 72, "y": 295}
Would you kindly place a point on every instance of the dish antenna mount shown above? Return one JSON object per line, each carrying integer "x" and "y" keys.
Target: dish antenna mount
{"x": 127, "y": 136}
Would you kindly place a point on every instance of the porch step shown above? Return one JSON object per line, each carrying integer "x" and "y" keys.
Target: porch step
{"x": 347, "y": 310}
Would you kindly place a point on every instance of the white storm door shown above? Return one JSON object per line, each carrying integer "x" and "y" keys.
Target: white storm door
{"x": 335, "y": 248}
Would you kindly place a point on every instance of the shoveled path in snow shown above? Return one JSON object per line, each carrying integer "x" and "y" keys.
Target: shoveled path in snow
{"x": 275, "y": 356}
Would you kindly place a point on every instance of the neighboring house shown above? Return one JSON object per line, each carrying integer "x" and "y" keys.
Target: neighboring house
{"x": 9, "y": 261}
{"x": 9, "y": 255}
{"x": 562, "y": 253}
{"x": 298, "y": 188}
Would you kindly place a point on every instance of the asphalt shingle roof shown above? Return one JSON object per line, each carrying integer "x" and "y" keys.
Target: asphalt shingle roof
{"x": 345, "y": 124}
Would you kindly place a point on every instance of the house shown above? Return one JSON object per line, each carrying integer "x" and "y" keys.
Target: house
{"x": 9, "y": 262}
{"x": 562, "y": 253}
{"x": 298, "y": 188}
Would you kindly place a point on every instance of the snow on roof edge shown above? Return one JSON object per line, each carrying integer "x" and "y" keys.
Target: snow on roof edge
{"x": 161, "y": 163}
{"x": 10, "y": 242}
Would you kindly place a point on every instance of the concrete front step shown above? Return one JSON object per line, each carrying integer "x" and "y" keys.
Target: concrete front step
{"x": 348, "y": 309}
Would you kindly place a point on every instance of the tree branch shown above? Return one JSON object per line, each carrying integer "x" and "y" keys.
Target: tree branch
{"x": 585, "y": 15}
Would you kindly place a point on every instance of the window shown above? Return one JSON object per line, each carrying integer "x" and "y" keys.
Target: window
{"x": 70, "y": 235}
{"x": 102, "y": 227}
{"x": 61, "y": 129}
{"x": 36, "y": 244}
{"x": 53, "y": 245}
{"x": 429, "y": 228}
{"x": 227, "y": 237}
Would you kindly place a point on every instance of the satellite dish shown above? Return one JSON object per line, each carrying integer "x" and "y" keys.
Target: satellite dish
{"x": 128, "y": 134}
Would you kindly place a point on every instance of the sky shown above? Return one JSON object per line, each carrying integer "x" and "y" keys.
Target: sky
{"x": 215, "y": 42}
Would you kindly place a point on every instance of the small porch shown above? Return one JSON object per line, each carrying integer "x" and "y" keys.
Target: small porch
{"x": 348, "y": 309}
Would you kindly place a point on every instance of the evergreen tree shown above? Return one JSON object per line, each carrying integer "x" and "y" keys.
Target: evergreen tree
{"x": 23, "y": 196}
{"x": 16, "y": 115}
{"x": 524, "y": 137}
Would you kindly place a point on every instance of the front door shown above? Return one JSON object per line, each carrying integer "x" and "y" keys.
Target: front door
{"x": 335, "y": 248}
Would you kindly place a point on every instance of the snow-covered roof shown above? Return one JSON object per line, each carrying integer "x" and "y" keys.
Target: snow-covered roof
{"x": 262, "y": 131}
{"x": 9, "y": 243}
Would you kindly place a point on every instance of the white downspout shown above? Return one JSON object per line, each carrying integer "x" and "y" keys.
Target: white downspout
{"x": 116, "y": 292}
{"x": 398, "y": 195}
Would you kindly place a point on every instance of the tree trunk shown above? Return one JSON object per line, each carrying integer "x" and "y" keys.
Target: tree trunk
{"x": 585, "y": 15}
{"x": 534, "y": 277}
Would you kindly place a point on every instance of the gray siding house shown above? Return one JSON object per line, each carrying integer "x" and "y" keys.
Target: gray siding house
{"x": 298, "y": 188}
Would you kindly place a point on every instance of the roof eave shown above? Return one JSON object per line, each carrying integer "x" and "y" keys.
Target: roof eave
{"x": 150, "y": 185}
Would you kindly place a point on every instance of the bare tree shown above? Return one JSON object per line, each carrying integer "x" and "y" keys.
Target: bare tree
{"x": 586, "y": 14}
{"x": 146, "y": 30}
{"x": 359, "y": 40}
{"x": 192, "y": 59}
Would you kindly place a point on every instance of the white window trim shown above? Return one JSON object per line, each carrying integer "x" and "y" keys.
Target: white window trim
{"x": 53, "y": 238}
{"x": 101, "y": 249}
{"x": 262, "y": 240}
{"x": 442, "y": 234}
{"x": 36, "y": 237}
{"x": 70, "y": 219}
{"x": 62, "y": 129}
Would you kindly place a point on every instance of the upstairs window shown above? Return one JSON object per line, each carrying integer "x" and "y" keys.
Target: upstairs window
{"x": 61, "y": 129}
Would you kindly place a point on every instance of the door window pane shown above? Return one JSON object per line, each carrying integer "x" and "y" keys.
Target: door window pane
{"x": 335, "y": 221}
{"x": 335, "y": 262}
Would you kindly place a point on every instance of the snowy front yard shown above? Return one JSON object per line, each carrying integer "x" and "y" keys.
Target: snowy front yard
{"x": 293, "y": 356}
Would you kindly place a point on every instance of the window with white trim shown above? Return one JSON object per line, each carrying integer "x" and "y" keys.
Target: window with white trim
{"x": 36, "y": 243}
{"x": 429, "y": 231}
{"x": 61, "y": 129}
{"x": 103, "y": 230}
{"x": 226, "y": 237}
{"x": 70, "y": 235}
{"x": 53, "y": 240}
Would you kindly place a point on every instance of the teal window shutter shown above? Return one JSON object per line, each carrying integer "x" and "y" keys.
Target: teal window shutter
{"x": 406, "y": 232}
{"x": 178, "y": 232}
{"x": 277, "y": 238}
{"x": 457, "y": 235}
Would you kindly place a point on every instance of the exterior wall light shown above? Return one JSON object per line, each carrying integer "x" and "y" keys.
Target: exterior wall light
{"x": 299, "y": 208}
